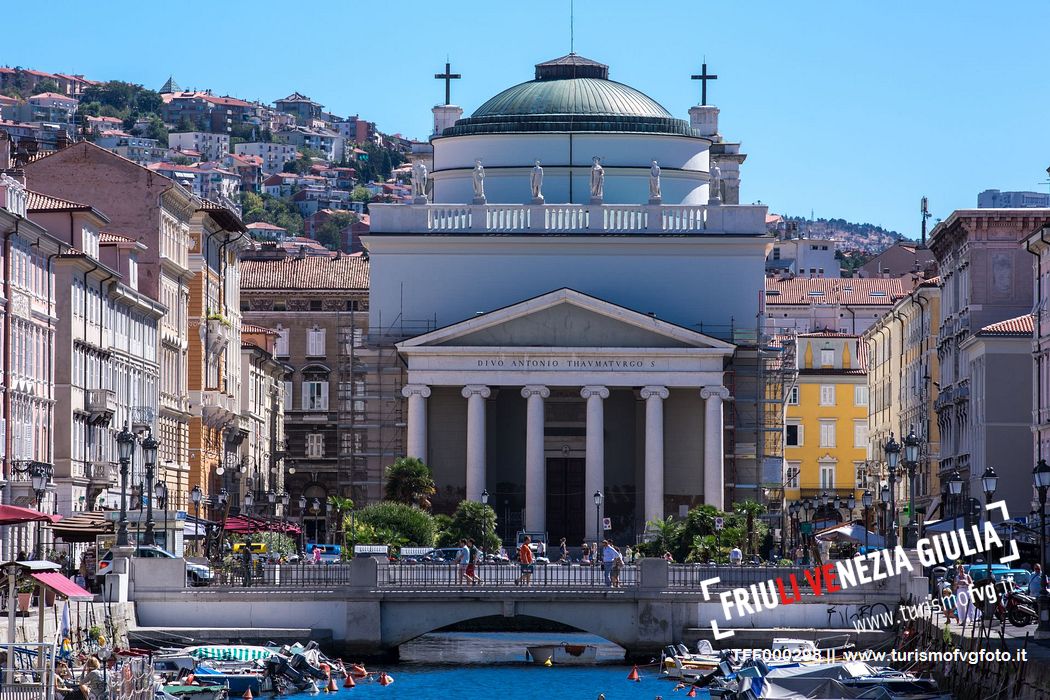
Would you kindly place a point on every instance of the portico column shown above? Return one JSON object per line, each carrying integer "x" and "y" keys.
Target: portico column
{"x": 475, "y": 394}
{"x": 594, "y": 476}
{"x": 417, "y": 419}
{"x": 654, "y": 451}
{"x": 535, "y": 468}
{"x": 714, "y": 448}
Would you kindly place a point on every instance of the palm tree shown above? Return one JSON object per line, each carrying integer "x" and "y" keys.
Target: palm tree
{"x": 750, "y": 509}
{"x": 409, "y": 480}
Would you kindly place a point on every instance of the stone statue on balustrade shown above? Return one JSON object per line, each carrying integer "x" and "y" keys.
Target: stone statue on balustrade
{"x": 597, "y": 181}
{"x": 536, "y": 183}
{"x": 654, "y": 184}
{"x": 714, "y": 197}
{"x": 419, "y": 182}
{"x": 479, "y": 182}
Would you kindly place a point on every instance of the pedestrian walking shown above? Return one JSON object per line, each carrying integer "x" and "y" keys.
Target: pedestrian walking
{"x": 585, "y": 553}
{"x": 963, "y": 595}
{"x": 609, "y": 555}
{"x": 736, "y": 556}
{"x": 1037, "y": 582}
{"x": 617, "y": 566}
{"x": 526, "y": 560}
{"x": 474, "y": 567}
{"x": 564, "y": 558}
{"x": 462, "y": 561}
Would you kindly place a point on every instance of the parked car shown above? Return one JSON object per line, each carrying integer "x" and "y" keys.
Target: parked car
{"x": 330, "y": 553}
{"x": 442, "y": 555}
{"x": 196, "y": 574}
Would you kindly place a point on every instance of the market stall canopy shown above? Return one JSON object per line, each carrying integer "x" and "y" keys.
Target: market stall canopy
{"x": 851, "y": 532}
{"x": 16, "y": 515}
{"x": 62, "y": 586}
{"x": 244, "y": 524}
{"x": 196, "y": 528}
{"x": 83, "y": 527}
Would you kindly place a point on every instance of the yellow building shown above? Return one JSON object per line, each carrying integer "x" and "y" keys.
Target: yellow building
{"x": 902, "y": 364}
{"x": 826, "y": 425}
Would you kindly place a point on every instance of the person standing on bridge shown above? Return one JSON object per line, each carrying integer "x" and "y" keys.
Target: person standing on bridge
{"x": 463, "y": 561}
{"x": 526, "y": 560}
{"x": 609, "y": 557}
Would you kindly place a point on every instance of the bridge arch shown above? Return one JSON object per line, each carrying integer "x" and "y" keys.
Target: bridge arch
{"x": 403, "y": 621}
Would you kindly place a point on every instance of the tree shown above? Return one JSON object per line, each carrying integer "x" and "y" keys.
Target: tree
{"x": 410, "y": 481}
{"x": 47, "y": 85}
{"x": 330, "y": 233}
{"x": 472, "y": 520}
{"x": 360, "y": 194}
{"x": 750, "y": 510}
{"x": 397, "y": 524}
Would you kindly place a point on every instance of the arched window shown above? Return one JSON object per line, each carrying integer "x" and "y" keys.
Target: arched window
{"x": 315, "y": 388}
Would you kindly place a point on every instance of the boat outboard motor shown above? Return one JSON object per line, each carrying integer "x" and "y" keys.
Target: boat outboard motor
{"x": 300, "y": 664}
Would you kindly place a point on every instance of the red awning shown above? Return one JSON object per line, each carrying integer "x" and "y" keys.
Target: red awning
{"x": 63, "y": 586}
{"x": 16, "y": 515}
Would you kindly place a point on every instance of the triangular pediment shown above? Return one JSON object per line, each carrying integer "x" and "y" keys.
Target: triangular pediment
{"x": 566, "y": 318}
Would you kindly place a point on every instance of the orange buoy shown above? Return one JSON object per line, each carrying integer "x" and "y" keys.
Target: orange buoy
{"x": 191, "y": 680}
{"x": 332, "y": 687}
{"x": 247, "y": 694}
{"x": 358, "y": 671}
{"x": 385, "y": 679}
{"x": 349, "y": 682}
{"x": 633, "y": 675}
{"x": 692, "y": 692}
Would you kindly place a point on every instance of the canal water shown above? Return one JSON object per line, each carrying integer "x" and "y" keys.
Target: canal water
{"x": 492, "y": 666}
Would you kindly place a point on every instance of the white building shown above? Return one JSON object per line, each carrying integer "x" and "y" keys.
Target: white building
{"x": 551, "y": 331}
{"x": 804, "y": 257}
{"x": 274, "y": 155}
{"x": 210, "y": 146}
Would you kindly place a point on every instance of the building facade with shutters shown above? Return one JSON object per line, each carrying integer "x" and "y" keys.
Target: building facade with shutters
{"x": 826, "y": 429}
{"x": 341, "y": 422}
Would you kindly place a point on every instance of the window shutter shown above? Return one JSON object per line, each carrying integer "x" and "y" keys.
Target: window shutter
{"x": 324, "y": 396}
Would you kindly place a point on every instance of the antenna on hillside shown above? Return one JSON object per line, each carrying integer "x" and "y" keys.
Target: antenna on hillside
{"x": 925, "y": 209}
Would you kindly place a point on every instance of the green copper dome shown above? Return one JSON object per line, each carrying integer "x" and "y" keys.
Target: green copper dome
{"x": 570, "y": 93}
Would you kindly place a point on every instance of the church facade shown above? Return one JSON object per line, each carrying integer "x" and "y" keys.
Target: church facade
{"x": 585, "y": 278}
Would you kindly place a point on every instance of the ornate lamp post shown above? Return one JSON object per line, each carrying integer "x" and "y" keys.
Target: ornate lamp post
{"x": 125, "y": 450}
{"x": 806, "y": 506}
{"x": 884, "y": 500}
{"x": 196, "y": 495}
{"x": 272, "y": 498}
{"x": 793, "y": 509}
{"x": 911, "y": 461}
{"x": 893, "y": 455}
{"x": 39, "y": 475}
{"x": 285, "y": 500}
{"x": 851, "y": 504}
{"x": 598, "y": 498}
{"x": 1041, "y": 476}
{"x": 866, "y": 500}
{"x": 149, "y": 458}
{"x": 249, "y": 501}
{"x": 989, "y": 481}
{"x": 485, "y": 502}
{"x": 160, "y": 490}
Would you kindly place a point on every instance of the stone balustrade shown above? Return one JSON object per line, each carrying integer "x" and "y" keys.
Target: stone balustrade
{"x": 568, "y": 218}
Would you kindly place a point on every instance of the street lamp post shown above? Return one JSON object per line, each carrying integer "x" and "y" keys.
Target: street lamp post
{"x": 866, "y": 500}
{"x": 160, "y": 490}
{"x": 806, "y": 505}
{"x": 39, "y": 474}
{"x": 911, "y": 461}
{"x": 893, "y": 455}
{"x": 1041, "y": 475}
{"x": 793, "y": 509}
{"x": 598, "y": 498}
{"x": 195, "y": 496}
{"x": 249, "y": 501}
{"x": 149, "y": 458}
{"x": 851, "y": 504}
{"x": 125, "y": 450}
{"x": 484, "y": 502}
{"x": 272, "y": 498}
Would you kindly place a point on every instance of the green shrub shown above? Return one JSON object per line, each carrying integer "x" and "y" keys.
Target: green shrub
{"x": 397, "y": 523}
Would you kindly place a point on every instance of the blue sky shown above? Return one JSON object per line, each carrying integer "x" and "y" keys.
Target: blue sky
{"x": 848, "y": 109}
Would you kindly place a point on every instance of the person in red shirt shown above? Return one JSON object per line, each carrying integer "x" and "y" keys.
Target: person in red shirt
{"x": 526, "y": 559}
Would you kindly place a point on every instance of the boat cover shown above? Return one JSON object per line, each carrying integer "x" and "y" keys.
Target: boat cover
{"x": 227, "y": 652}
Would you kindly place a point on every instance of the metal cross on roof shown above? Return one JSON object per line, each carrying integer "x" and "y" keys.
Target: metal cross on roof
{"x": 448, "y": 76}
{"x": 703, "y": 77}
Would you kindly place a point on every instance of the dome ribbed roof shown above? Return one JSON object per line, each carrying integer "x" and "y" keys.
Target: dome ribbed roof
{"x": 570, "y": 93}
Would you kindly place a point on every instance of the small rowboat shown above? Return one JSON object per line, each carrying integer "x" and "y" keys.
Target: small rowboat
{"x": 562, "y": 654}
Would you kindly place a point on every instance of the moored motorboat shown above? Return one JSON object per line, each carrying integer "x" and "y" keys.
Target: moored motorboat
{"x": 562, "y": 654}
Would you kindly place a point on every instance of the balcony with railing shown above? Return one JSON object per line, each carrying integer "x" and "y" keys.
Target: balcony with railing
{"x": 569, "y": 218}
{"x": 100, "y": 404}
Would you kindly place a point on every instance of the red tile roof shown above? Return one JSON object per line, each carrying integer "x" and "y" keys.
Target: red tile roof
{"x": 38, "y": 201}
{"x": 313, "y": 272}
{"x": 849, "y": 291}
{"x": 250, "y": 329}
{"x": 1022, "y": 326}
{"x": 53, "y": 96}
{"x": 264, "y": 226}
{"x": 107, "y": 237}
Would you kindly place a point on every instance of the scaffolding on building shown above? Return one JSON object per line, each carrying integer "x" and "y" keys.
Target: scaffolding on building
{"x": 760, "y": 378}
{"x": 370, "y": 408}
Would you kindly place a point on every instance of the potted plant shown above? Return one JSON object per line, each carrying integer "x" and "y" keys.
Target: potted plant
{"x": 25, "y": 593}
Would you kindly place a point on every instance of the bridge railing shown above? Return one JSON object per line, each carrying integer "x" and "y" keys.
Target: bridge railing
{"x": 283, "y": 576}
{"x": 690, "y": 575}
{"x": 549, "y": 576}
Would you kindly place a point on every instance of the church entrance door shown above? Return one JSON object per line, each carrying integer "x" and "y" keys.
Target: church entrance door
{"x": 566, "y": 503}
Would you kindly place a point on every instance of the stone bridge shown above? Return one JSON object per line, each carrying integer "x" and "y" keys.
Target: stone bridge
{"x": 368, "y": 609}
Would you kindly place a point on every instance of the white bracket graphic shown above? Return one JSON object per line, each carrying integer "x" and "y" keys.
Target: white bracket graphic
{"x": 720, "y": 635}
{"x": 1001, "y": 507}
{"x": 708, "y": 582}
